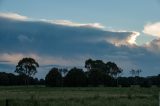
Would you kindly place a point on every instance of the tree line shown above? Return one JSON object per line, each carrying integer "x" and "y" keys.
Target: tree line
{"x": 98, "y": 73}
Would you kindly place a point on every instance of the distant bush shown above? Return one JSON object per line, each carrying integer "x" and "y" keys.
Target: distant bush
{"x": 53, "y": 78}
{"x": 96, "y": 77}
{"x": 109, "y": 81}
{"x": 146, "y": 83}
{"x": 4, "y": 79}
{"x": 124, "y": 82}
{"x": 75, "y": 78}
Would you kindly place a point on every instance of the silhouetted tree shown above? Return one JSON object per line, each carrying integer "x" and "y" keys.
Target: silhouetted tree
{"x": 109, "y": 69}
{"x": 28, "y": 67}
{"x": 4, "y": 80}
{"x": 96, "y": 77}
{"x": 22, "y": 79}
{"x": 53, "y": 78}
{"x": 95, "y": 64}
{"x": 146, "y": 83}
{"x": 63, "y": 71}
{"x": 88, "y": 64}
{"x": 158, "y": 80}
{"x": 135, "y": 75}
{"x": 138, "y": 72}
{"x": 12, "y": 79}
{"x": 75, "y": 78}
{"x": 124, "y": 82}
{"x": 113, "y": 69}
{"x": 41, "y": 82}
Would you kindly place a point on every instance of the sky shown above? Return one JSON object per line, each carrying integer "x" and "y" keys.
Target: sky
{"x": 67, "y": 32}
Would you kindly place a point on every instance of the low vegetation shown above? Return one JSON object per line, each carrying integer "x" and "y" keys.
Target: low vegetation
{"x": 79, "y": 96}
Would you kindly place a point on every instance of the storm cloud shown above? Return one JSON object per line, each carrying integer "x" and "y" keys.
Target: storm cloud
{"x": 70, "y": 44}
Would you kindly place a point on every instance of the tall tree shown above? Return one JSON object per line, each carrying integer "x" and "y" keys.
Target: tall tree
{"x": 95, "y": 64}
{"x": 96, "y": 77}
{"x": 133, "y": 72}
{"x": 89, "y": 64}
{"x": 53, "y": 78}
{"x": 4, "y": 79}
{"x": 27, "y": 67}
{"x": 75, "y": 78}
{"x": 113, "y": 69}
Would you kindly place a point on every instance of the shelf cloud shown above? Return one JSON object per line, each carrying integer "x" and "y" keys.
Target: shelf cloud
{"x": 67, "y": 43}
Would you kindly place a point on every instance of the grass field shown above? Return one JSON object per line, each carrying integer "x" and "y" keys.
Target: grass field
{"x": 87, "y": 96}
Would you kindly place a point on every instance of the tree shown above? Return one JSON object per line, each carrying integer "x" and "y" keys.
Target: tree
{"x": 41, "y": 82}
{"x": 124, "y": 82}
{"x": 110, "y": 68}
{"x": 4, "y": 80}
{"x": 146, "y": 83}
{"x": 75, "y": 78}
{"x": 113, "y": 69}
{"x": 63, "y": 71}
{"x": 95, "y": 64}
{"x": 53, "y": 78}
{"x": 12, "y": 79}
{"x": 96, "y": 77}
{"x": 135, "y": 73}
{"x": 88, "y": 64}
{"x": 138, "y": 72}
{"x": 27, "y": 67}
{"x": 158, "y": 81}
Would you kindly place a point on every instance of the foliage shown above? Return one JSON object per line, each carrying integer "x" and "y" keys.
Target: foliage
{"x": 98, "y": 74}
{"x": 96, "y": 77}
{"x": 75, "y": 78}
{"x": 53, "y": 78}
{"x": 109, "y": 68}
{"x": 124, "y": 82}
{"x": 4, "y": 80}
{"x": 113, "y": 69}
{"x": 146, "y": 83}
{"x": 27, "y": 66}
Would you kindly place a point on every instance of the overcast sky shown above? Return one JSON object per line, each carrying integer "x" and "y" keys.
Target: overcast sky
{"x": 67, "y": 32}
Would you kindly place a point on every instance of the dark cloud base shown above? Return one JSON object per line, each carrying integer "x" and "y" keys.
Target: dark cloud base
{"x": 53, "y": 40}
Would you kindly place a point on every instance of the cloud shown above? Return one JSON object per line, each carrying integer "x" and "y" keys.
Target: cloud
{"x": 130, "y": 40}
{"x": 69, "y": 43}
{"x": 74, "y": 24}
{"x": 13, "y": 58}
{"x": 154, "y": 46}
{"x": 13, "y": 16}
{"x": 152, "y": 29}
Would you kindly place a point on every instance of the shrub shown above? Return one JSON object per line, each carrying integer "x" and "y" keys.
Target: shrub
{"x": 53, "y": 78}
{"x": 146, "y": 83}
{"x": 75, "y": 78}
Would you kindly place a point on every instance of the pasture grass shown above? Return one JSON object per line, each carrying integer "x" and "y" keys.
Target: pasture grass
{"x": 78, "y": 96}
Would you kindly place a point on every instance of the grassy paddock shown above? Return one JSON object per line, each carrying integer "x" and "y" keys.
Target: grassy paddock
{"x": 87, "y": 96}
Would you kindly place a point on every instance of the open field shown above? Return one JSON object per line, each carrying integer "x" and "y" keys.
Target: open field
{"x": 87, "y": 96}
